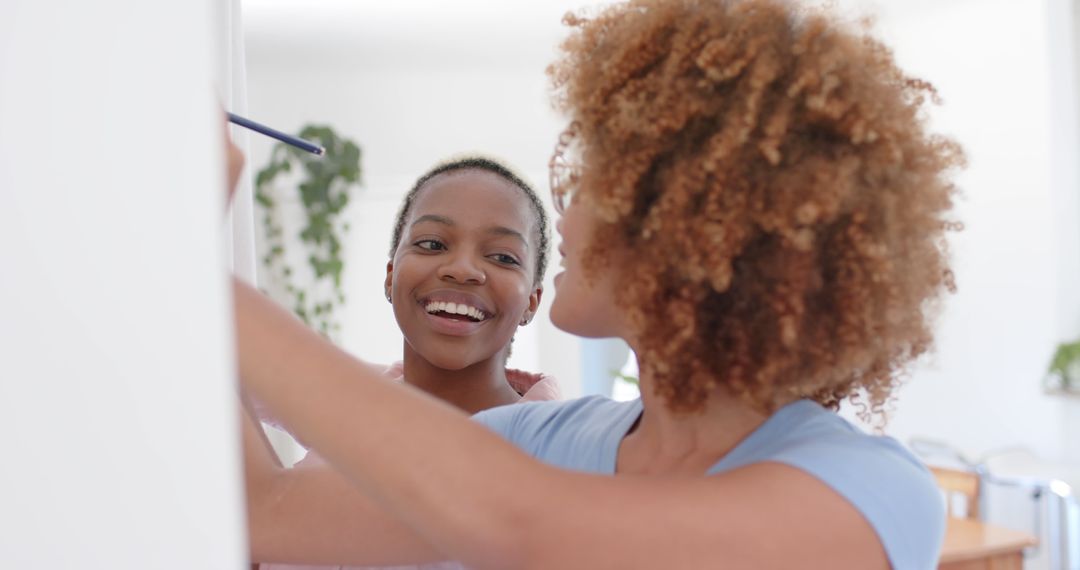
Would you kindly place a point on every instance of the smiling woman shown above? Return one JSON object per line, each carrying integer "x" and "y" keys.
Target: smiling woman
{"x": 467, "y": 259}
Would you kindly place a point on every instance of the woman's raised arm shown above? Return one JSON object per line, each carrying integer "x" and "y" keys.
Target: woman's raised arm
{"x": 478, "y": 499}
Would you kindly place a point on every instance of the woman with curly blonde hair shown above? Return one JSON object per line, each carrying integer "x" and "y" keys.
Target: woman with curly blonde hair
{"x": 750, "y": 198}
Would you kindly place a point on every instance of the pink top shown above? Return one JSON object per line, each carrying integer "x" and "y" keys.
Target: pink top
{"x": 532, "y": 387}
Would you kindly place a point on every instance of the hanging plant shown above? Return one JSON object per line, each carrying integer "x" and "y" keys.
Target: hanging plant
{"x": 323, "y": 185}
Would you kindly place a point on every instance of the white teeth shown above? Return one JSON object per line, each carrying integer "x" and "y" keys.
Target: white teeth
{"x": 454, "y": 309}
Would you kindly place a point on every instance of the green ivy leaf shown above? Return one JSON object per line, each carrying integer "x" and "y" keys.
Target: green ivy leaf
{"x": 324, "y": 185}
{"x": 263, "y": 199}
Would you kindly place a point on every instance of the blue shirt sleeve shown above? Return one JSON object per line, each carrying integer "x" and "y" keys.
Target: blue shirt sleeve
{"x": 499, "y": 420}
{"x": 534, "y": 427}
{"x": 887, "y": 485}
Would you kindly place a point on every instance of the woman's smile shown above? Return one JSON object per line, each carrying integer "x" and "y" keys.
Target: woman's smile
{"x": 454, "y": 312}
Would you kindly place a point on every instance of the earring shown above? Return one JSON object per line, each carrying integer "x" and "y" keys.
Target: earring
{"x": 388, "y": 298}
{"x": 524, "y": 321}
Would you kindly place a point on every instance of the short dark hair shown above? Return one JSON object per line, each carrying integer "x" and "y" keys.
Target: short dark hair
{"x": 487, "y": 165}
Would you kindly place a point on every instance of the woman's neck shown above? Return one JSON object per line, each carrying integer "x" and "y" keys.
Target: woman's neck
{"x": 667, "y": 442}
{"x": 474, "y": 388}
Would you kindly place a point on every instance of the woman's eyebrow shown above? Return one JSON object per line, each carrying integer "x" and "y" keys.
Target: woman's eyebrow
{"x": 494, "y": 230}
{"x": 433, "y": 218}
{"x": 505, "y": 231}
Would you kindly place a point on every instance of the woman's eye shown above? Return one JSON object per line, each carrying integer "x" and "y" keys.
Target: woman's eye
{"x": 430, "y": 245}
{"x": 506, "y": 259}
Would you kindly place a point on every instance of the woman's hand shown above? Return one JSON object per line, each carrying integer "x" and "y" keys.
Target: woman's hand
{"x": 234, "y": 160}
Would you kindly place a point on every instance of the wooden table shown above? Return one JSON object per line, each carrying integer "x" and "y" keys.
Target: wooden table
{"x": 972, "y": 545}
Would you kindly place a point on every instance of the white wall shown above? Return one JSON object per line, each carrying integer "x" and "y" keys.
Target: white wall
{"x": 1000, "y": 68}
{"x": 117, "y": 418}
{"x": 1064, "y": 17}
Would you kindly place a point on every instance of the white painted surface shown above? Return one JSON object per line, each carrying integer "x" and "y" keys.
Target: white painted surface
{"x": 117, "y": 408}
{"x": 999, "y": 68}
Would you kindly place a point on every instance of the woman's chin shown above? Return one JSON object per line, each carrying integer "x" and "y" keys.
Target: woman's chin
{"x": 449, "y": 362}
{"x": 576, "y": 323}
{"x": 448, "y": 358}
{"x": 561, "y": 322}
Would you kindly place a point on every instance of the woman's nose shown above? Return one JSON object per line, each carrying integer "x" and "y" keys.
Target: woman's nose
{"x": 462, "y": 269}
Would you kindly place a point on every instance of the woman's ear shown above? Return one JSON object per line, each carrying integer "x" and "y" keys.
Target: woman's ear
{"x": 389, "y": 283}
{"x": 534, "y": 304}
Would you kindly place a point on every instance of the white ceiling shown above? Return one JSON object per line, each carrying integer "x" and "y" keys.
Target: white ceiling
{"x": 437, "y": 33}
{"x": 432, "y": 32}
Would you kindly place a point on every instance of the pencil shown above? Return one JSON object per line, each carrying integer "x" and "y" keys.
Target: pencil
{"x": 274, "y": 133}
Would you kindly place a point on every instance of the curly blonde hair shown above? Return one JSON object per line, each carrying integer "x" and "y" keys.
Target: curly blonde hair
{"x": 770, "y": 170}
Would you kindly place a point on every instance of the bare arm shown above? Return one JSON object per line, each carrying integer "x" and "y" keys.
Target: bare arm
{"x": 313, "y": 515}
{"x": 458, "y": 485}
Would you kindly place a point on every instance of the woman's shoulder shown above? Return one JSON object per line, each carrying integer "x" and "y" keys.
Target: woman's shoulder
{"x": 810, "y": 434}
{"x": 884, "y": 481}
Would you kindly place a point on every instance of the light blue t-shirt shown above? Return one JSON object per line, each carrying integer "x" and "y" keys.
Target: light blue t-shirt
{"x": 884, "y": 482}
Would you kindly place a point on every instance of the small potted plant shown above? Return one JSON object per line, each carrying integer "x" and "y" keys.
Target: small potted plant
{"x": 1064, "y": 372}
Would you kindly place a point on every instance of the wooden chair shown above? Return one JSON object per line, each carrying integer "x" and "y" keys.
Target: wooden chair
{"x": 961, "y": 490}
{"x": 971, "y": 544}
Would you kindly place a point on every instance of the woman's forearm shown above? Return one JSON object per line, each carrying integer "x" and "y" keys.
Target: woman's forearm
{"x": 313, "y": 515}
{"x": 387, "y": 439}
